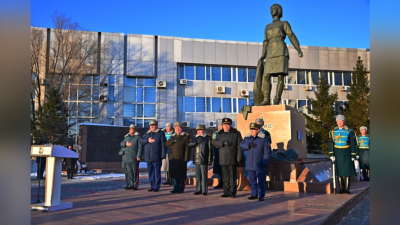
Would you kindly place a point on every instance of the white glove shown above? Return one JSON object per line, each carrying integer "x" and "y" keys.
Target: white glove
{"x": 357, "y": 157}
{"x": 333, "y": 158}
{"x": 352, "y": 159}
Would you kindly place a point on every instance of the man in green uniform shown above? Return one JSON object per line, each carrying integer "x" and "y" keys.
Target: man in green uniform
{"x": 343, "y": 151}
{"x": 363, "y": 146}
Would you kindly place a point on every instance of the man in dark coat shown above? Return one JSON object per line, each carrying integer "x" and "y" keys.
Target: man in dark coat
{"x": 41, "y": 164}
{"x": 202, "y": 158}
{"x": 343, "y": 151}
{"x": 258, "y": 149}
{"x": 217, "y": 167}
{"x": 180, "y": 155}
{"x": 228, "y": 141}
{"x": 70, "y": 164}
{"x": 132, "y": 152}
{"x": 363, "y": 142}
{"x": 154, "y": 152}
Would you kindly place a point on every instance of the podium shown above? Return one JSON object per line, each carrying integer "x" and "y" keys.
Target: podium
{"x": 54, "y": 155}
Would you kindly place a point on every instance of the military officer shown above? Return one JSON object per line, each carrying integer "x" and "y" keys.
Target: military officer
{"x": 260, "y": 122}
{"x": 363, "y": 146}
{"x": 180, "y": 155}
{"x": 165, "y": 162}
{"x": 343, "y": 151}
{"x": 217, "y": 167}
{"x": 256, "y": 144}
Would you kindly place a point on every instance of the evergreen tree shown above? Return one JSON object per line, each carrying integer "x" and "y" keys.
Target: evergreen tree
{"x": 48, "y": 124}
{"x": 357, "y": 111}
{"x": 322, "y": 119}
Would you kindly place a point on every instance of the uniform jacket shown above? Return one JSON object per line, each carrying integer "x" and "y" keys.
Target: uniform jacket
{"x": 202, "y": 149}
{"x": 342, "y": 144}
{"x": 267, "y": 134}
{"x": 70, "y": 163}
{"x": 132, "y": 152}
{"x": 216, "y": 167}
{"x": 257, "y": 158}
{"x": 156, "y": 151}
{"x": 231, "y": 154}
{"x": 180, "y": 155}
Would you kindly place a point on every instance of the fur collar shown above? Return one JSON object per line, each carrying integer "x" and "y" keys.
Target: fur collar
{"x": 135, "y": 134}
{"x": 346, "y": 128}
{"x": 181, "y": 134}
{"x": 260, "y": 135}
{"x": 204, "y": 135}
{"x": 155, "y": 131}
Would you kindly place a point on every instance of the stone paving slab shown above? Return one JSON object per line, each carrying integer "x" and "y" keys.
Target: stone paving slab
{"x": 129, "y": 207}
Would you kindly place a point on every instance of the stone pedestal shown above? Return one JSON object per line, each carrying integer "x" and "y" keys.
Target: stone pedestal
{"x": 285, "y": 124}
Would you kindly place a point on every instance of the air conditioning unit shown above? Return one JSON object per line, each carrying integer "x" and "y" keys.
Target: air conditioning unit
{"x": 285, "y": 87}
{"x": 343, "y": 88}
{"x": 42, "y": 81}
{"x": 161, "y": 84}
{"x": 212, "y": 124}
{"x": 244, "y": 93}
{"x": 105, "y": 84}
{"x": 308, "y": 88}
{"x": 185, "y": 124}
{"x": 103, "y": 98}
{"x": 221, "y": 89}
{"x": 183, "y": 81}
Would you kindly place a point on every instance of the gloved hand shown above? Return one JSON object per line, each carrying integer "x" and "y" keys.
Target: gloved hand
{"x": 253, "y": 145}
{"x": 225, "y": 143}
{"x": 199, "y": 140}
{"x": 210, "y": 163}
{"x": 357, "y": 157}
{"x": 352, "y": 159}
{"x": 333, "y": 158}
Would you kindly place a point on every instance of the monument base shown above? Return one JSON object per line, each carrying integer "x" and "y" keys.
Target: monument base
{"x": 52, "y": 208}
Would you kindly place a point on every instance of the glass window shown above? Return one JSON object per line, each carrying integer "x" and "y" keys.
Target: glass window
{"x": 96, "y": 79}
{"x": 325, "y": 75}
{"x": 314, "y": 78}
{"x": 86, "y": 80}
{"x": 292, "y": 103}
{"x": 149, "y": 95}
{"x": 110, "y": 109}
{"x": 139, "y": 110}
{"x": 129, "y": 94}
{"x": 129, "y": 110}
{"x": 149, "y": 110}
{"x": 84, "y": 109}
{"x": 234, "y": 105}
{"x": 189, "y": 72}
{"x": 242, "y": 75}
{"x": 189, "y": 104}
{"x": 110, "y": 93}
{"x": 95, "y": 110}
{"x": 150, "y": 82}
{"x": 301, "y": 77}
{"x": 84, "y": 93}
{"x": 139, "y": 94}
{"x": 147, "y": 123}
{"x": 208, "y": 104}
{"x": 111, "y": 79}
{"x": 110, "y": 121}
{"x": 234, "y": 74}
{"x": 216, "y": 73}
{"x": 252, "y": 75}
{"x": 208, "y": 72}
{"x": 139, "y": 123}
{"x": 226, "y": 74}
{"x": 181, "y": 72}
{"x": 200, "y": 104}
{"x": 140, "y": 82}
{"x": 242, "y": 102}
{"x": 227, "y": 105}
{"x": 347, "y": 78}
{"x": 309, "y": 107}
{"x": 251, "y": 101}
{"x": 216, "y": 105}
{"x": 291, "y": 77}
{"x": 180, "y": 104}
{"x": 338, "y": 78}
{"x": 200, "y": 72}
{"x": 129, "y": 81}
{"x": 96, "y": 93}
{"x": 128, "y": 122}
{"x": 303, "y": 106}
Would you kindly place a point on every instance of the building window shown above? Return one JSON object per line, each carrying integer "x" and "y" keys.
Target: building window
{"x": 242, "y": 102}
{"x": 301, "y": 77}
{"x": 226, "y": 74}
{"x": 227, "y": 105}
{"x": 338, "y": 78}
{"x": 208, "y": 104}
{"x": 149, "y": 110}
{"x": 302, "y": 106}
{"x": 200, "y": 104}
{"x": 150, "y": 94}
{"x": 234, "y": 105}
{"x": 110, "y": 109}
{"x": 291, "y": 77}
{"x": 208, "y": 72}
{"x": 252, "y": 75}
{"x": 234, "y": 74}
{"x": 216, "y": 73}
{"x": 181, "y": 72}
{"x": 189, "y": 72}
{"x": 200, "y": 73}
{"x": 242, "y": 74}
{"x": 347, "y": 78}
{"x": 129, "y": 110}
{"x": 216, "y": 105}
{"x": 190, "y": 104}
{"x": 314, "y": 78}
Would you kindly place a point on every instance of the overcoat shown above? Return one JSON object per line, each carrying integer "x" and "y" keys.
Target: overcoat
{"x": 156, "y": 151}
{"x": 342, "y": 144}
{"x": 257, "y": 157}
{"x": 180, "y": 155}
{"x": 202, "y": 150}
{"x": 230, "y": 154}
{"x": 129, "y": 154}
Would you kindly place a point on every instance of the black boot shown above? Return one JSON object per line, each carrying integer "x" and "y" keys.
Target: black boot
{"x": 166, "y": 179}
{"x": 347, "y": 185}
{"x": 365, "y": 176}
{"x": 340, "y": 184}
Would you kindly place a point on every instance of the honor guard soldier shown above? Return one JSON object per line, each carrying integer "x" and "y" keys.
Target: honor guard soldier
{"x": 363, "y": 147}
{"x": 131, "y": 153}
{"x": 217, "y": 167}
{"x": 258, "y": 149}
{"x": 202, "y": 158}
{"x": 343, "y": 151}
{"x": 165, "y": 162}
{"x": 154, "y": 152}
{"x": 180, "y": 155}
{"x": 228, "y": 141}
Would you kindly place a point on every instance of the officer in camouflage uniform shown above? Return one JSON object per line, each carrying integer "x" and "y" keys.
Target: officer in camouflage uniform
{"x": 363, "y": 141}
{"x": 343, "y": 151}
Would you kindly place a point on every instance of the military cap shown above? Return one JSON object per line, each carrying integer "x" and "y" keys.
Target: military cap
{"x": 226, "y": 121}
{"x": 363, "y": 127}
{"x": 259, "y": 120}
{"x": 219, "y": 121}
{"x": 200, "y": 127}
{"x": 168, "y": 124}
{"x": 177, "y": 124}
{"x": 340, "y": 117}
{"x": 153, "y": 122}
{"x": 254, "y": 126}
{"x": 132, "y": 126}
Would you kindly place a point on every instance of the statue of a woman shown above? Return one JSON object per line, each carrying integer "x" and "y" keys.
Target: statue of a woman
{"x": 276, "y": 57}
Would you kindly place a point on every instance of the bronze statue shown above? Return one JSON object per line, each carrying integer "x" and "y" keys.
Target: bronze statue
{"x": 276, "y": 57}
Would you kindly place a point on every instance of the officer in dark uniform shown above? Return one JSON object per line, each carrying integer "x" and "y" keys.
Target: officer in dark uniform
{"x": 260, "y": 122}
{"x": 363, "y": 141}
{"x": 217, "y": 167}
{"x": 70, "y": 164}
{"x": 343, "y": 151}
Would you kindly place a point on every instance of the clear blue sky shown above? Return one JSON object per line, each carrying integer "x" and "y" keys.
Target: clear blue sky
{"x": 330, "y": 23}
